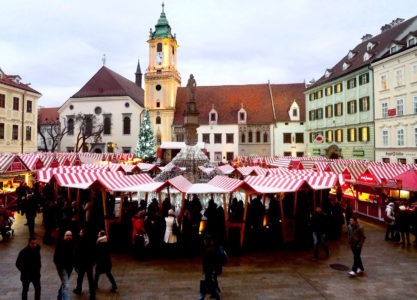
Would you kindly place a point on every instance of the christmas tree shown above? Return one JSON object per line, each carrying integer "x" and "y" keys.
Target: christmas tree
{"x": 145, "y": 147}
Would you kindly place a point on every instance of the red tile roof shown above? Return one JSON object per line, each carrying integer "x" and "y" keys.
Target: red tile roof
{"x": 107, "y": 83}
{"x": 381, "y": 41}
{"x": 48, "y": 115}
{"x": 8, "y": 80}
{"x": 227, "y": 100}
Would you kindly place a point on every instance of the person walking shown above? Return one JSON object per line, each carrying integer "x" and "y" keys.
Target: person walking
{"x": 103, "y": 261}
{"x": 356, "y": 238}
{"x": 84, "y": 262}
{"x": 64, "y": 263}
{"x": 170, "y": 237}
{"x": 318, "y": 223}
{"x": 29, "y": 264}
{"x": 390, "y": 221}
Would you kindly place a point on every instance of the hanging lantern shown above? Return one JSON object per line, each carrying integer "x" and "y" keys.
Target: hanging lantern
{"x": 202, "y": 228}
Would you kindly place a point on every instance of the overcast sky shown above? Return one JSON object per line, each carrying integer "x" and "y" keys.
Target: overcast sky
{"x": 57, "y": 46}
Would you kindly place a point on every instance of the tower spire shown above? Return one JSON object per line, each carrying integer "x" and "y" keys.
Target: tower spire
{"x": 103, "y": 59}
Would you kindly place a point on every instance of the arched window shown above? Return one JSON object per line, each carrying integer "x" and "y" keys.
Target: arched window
{"x": 158, "y": 120}
{"x": 88, "y": 126}
{"x": 243, "y": 138}
{"x": 126, "y": 125}
{"x": 107, "y": 125}
{"x": 265, "y": 137}
{"x": 250, "y": 137}
{"x": 71, "y": 126}
{"x": 258, "y": 136}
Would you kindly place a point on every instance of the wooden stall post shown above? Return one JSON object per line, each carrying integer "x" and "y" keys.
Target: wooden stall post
{"x": 103, "y": 198}
{"x": 245, "y": 212}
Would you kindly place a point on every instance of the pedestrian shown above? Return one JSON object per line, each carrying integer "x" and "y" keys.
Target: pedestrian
{"x": 64, "y": 263}
{"x": 31, "y": 206}
{"x": 212, "y": 267}
{"x": 84, "y": 262}
{"x": 103, "y": 261}
{"x": 318, "y": 223}
{"x": 29, "y": 264}
{"x": 356, "y": 238}
{"x": 171, "y": 233}
{"x": 390, "y": 221}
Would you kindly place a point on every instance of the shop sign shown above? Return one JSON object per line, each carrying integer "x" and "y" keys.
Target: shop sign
{"x": 367, "y": 178}
{"x": 16, "y": 166}
{"x": 316, "y": 151}
{"x": 19, "y": 178}
{"x": 358, "y": 152}
{"x": 396, "y": 184}
{"x": 394, "y": 153}
{"x": 392, "y": 112}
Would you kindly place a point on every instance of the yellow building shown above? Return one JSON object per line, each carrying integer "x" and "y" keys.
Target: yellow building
{"x": 18, "y": 115}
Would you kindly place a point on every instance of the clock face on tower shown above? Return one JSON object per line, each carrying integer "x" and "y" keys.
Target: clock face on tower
{"x": 159, "y": 57}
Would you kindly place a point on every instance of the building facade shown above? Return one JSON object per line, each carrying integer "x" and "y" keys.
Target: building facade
{"x": 396, "y": 102}
{"x": 340, "y": 105}
{"x": 18, "y": 115}
{"x": 49, "y": 129}
{"x": 106, "y": 111}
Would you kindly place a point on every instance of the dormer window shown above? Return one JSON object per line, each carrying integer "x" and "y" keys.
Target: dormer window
{"x": 351, "y": 54}
{"x": 213, "y": 116}
{"x": 366, "y": 56}
{"x": 327, "y": 74}
{"x": 345, "y": 66}
{"x": 241, "y": 116}
{"x": 369, "y": 46}
{"x": 393, "y": 49}
{"x": 294, "y": 112}
{"x": 411, "y": 41}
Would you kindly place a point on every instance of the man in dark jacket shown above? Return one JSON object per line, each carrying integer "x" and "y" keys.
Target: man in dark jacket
{"x": 64, "y": 262}
{"x": 212, "y": 267}
{"x": 356, "y": 238}
{"x": 318, "y": 223}
{"x": 84, "y": 262}
{"x": 29, "y": 264}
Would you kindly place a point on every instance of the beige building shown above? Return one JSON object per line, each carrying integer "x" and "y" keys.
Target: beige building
{"x": 395, "y": 77}
{"x": 18, "y": 115}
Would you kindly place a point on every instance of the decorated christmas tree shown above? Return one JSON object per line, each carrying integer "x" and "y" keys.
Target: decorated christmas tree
{"x": 145, "y": 147}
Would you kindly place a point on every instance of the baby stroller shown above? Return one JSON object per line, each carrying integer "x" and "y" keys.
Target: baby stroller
{"x": 6, "y": 230}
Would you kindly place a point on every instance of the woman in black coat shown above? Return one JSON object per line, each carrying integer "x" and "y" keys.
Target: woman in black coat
{"x": 103, "y": 260}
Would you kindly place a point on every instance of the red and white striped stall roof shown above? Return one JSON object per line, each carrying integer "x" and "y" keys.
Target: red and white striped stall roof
{"x": 227, "y": 183}
{"x": 281, "y": 163}
{"x": 76, "y": 180}
{"x": 180, "y": 183}
{"x": 115, "y": 181}
{"x": 12, "y": 163}
{"x": 269, "y": 184}
{"x": 226, "y": 169}
{"x": 260, "y": 171}
{"x": 245, "y": 171}
{"x": 32, "y": 161}
{"x": 145, "y": 167}
{"x": 384, "y": 172}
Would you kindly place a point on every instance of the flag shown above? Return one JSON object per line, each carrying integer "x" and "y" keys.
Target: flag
{"x": 319, "y": 139}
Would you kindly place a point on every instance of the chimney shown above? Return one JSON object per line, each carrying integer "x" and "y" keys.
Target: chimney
{"x": 366, "y": 37}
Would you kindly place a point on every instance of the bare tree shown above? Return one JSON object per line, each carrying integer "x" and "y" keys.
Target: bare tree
{"x": 51, "y": 130}
{"x": 89, "y": 131}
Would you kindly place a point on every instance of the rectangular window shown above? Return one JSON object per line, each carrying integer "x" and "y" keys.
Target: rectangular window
{"x": 229, "y": 138}
{"x": 329, "y": 111}
{"x": 213, "y": 117}
{"x": 15, "y": 103}
{"x": 2, "y": 100}
{"x": 363, "y": 78}
{"x": 1, "y": 131}
{"x": 351, "y": 83}
{"x": 415, "y": 136}
{"x": 287, "y": 153}
{"x": 230, "y": 156}
{"x": 351, "y": 134}
{"x": 299, "y": 154}
{"x": 329, "y": 136}
{"x": 363, "y": 134}
{"x": 351, "y": 105}
{"x": 287, "y": 138}
{"x": 399, "y": 76}
{"x": 180, "y": 138}
{"x": 384, "y": 109}
{"x": 29, "y": 106}
{"x": 415, "y": 104}
{"x": 338, "y": 109}
{"x": 400, "y": 107}
{"x": 242, "y": 116}
{"x": 28, "y": 133}
{"x": 299, "y": 138}
{"x": 15, "y": 132}
{"x": 295, "y": 112}
{"x": 400, "y": 137}
{"x": 364, "y": 104}
{"x": 339, "y": 135}
{"x": 384, "y": 82}
{"x": 319, "y": 113}
{"x": 217, "y": 156}
{"x": 206, "y": 138}
{"x": 320, "y": 94}
{"x": 414, "y": 72}
{"x": 217, "y": 138}
{"x": 338, "y": 88}
{"x": 312, "y": 115}
{"x": 329, "y": 91}
{"x": 385, "y": 137}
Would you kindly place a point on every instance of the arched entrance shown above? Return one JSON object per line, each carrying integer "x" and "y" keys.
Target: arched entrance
{"x": 333, "y": 152}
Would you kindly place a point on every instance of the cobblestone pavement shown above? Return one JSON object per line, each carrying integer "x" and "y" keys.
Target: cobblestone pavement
{"x": 279, "y": 274}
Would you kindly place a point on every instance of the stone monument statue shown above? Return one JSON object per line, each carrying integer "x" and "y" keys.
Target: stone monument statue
{"x": 191, "y": 85}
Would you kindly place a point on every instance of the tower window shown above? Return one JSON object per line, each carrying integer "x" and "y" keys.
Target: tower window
{"x": 158, "y": 120}
{"x": 126, "y": 125}
{"x": 159, "y": 47}
{"x": 158, "y": 87}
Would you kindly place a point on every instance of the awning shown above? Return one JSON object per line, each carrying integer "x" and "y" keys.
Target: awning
{"x": 227, "y": 183}
{"x": 268, "y": 184}
{"x": 226, "y": 169}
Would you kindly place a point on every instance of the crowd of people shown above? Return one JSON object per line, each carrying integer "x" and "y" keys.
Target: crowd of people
{"x": 401, "y": 221}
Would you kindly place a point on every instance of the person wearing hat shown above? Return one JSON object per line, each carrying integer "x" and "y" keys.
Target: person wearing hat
{"x": 390, "y": 221}
{"x": 403, "y": 225}
{"x": 170, "y": 237}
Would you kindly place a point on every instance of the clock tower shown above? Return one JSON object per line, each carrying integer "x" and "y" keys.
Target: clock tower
{"x": 162, "y": 79}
